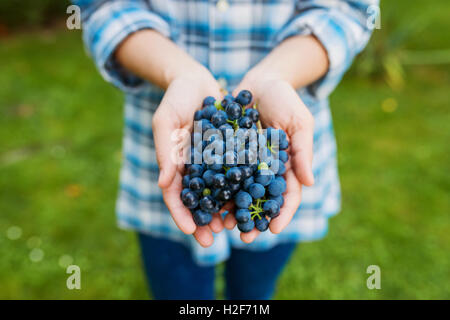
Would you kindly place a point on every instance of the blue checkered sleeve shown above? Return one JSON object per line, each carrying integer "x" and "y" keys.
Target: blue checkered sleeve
{"x": 341, "y": 26}
{"x": 106, "y": 24}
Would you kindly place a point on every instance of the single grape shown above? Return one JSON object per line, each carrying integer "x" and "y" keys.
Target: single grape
{"x": 224, "y": 194}
{"x": 195, "y": 170}
{"x": 234, "y": 175}
{"x": 247, "y": 226}
{"x": 253, "y": 114}
{"x": 208, "y": 176}
{"x": 261, "y": 224}
{"x": 271, "y": 208}
{"x": 276, "y": 187}
{"x": 201, "y": 218}
{"x": 197, "y": 184}
{"x": 219, "y": 118}
{"x": 243, "y": 200}
{"x": 245, "y": 122}
{"x": 219, "y": 181}
{"x": 264, "y": 177}
{"x": 244, "y": 97}
{"x": 208, "y": 101}
{"x": 198, "y": 115}
{"x": 190, "y": 199}
{"x": 234, "y": 111}
{"x": 256, "y": 190}
{"x": 246, "y": 171}
{"x": 283, "y": 156}
{"x": 242, "y": 215}
{"x": 234, "y": 187}
{"x": 226, "y": 100}
{"x": 207, "y": 204}
{"x": 185, "y": 181}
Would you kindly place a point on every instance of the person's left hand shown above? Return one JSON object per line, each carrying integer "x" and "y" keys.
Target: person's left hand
{"x": 280, "y": 107}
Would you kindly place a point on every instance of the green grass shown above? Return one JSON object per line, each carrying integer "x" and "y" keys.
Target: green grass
{"x": 60, "y": 131}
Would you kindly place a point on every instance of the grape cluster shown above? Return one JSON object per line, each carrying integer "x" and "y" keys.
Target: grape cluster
{"x": 233, "y": 159}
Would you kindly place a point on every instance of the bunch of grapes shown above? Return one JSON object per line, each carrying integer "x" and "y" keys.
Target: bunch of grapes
{"x": 233, "y": 159}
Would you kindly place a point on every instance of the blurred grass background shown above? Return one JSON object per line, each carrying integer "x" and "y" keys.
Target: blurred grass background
{"x": 60, "y": 133}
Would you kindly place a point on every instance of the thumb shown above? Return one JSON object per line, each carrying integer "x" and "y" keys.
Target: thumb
{"x": 302, "y": 155}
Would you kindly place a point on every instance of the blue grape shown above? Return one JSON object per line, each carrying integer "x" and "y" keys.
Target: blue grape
{"x": 246, "y": 171}
{"x": 234, "y": 175}
{"x": 201, "y": 218}
{"x": 219, "y": 118}
{"x": 283, "y": 156}
{"x": 264, "y": 177}
{"x": 247, "y": 226}
{"x": 198, "y": 115}
{"x": 271, "y": 208}
{"x": 277, "y": 166}
{"x": 219, "y": 181}
{"x": 226, "y": 100}
{"x": 276, "y": 187}
{"x": 261, "y": 224}
{"x": 245, "y": 122}
{"x": 244, "y": 97}
{"x": 247, "y": 182}
{"x": 234, "y": 187}
{"x": 185, "y": 181}
{"x": 190, "y": 199}
{"x": 233, "y": 110}
{"x": 196, "y": 184}
{"x": 243, "y": 200}
{"x": 256, "y": 190}
{"x": 242, "y": 215}
{"x": 208, "y": 101}
{"x": 253, "y": 114}
{"x": 195, "y": 170}
{"x": 208, "y": 177}
{"x": 224, "y": 194}
{"x": 207, "y": 204}
{"x": 278, "y": 199}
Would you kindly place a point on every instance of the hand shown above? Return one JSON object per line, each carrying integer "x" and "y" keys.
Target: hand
{"x": 183, "y": 96}
{"x": 280, "y": 107}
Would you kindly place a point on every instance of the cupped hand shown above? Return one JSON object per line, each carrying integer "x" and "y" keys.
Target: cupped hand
{"x": 183, "y": 96}
{"x": 280, "y": 107}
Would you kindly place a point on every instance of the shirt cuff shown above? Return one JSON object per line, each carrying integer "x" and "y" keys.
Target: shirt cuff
{"x": 107, "y": 27}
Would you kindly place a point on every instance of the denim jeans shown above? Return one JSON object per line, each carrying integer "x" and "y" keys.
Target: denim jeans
{"x": 173, "y": 274}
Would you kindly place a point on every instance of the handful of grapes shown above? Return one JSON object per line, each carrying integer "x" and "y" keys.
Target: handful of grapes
{"x": 233, "y": 159}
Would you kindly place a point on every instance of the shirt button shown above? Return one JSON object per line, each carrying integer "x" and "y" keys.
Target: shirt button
{"x": 222, "y": 5}
{"x": 222, "y": 83}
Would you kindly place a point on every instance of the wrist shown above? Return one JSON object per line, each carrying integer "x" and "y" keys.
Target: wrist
{"x": 185, "y": 71}
{"x": 259, "y": 79}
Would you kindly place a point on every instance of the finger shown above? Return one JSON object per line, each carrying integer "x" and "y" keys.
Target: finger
{"x": 302, "y": 155}
{"x": 180, "y": 214}
{"x": 204, "y": 236}
{"x": 249, "y": 237}
{"x": 163, "y": 128}
{"x": 292, "y": 199}
{"x": 216, "y": 223}
{"x": 230, "y": 221}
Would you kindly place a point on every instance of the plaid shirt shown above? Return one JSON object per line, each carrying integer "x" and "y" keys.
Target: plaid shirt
{"x": 228, "y": 37}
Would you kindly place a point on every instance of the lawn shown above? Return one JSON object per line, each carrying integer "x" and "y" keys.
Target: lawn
{"x": 60, "y": 131}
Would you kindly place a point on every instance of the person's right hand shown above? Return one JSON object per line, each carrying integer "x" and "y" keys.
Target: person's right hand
{"x": 183, "y": 97}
